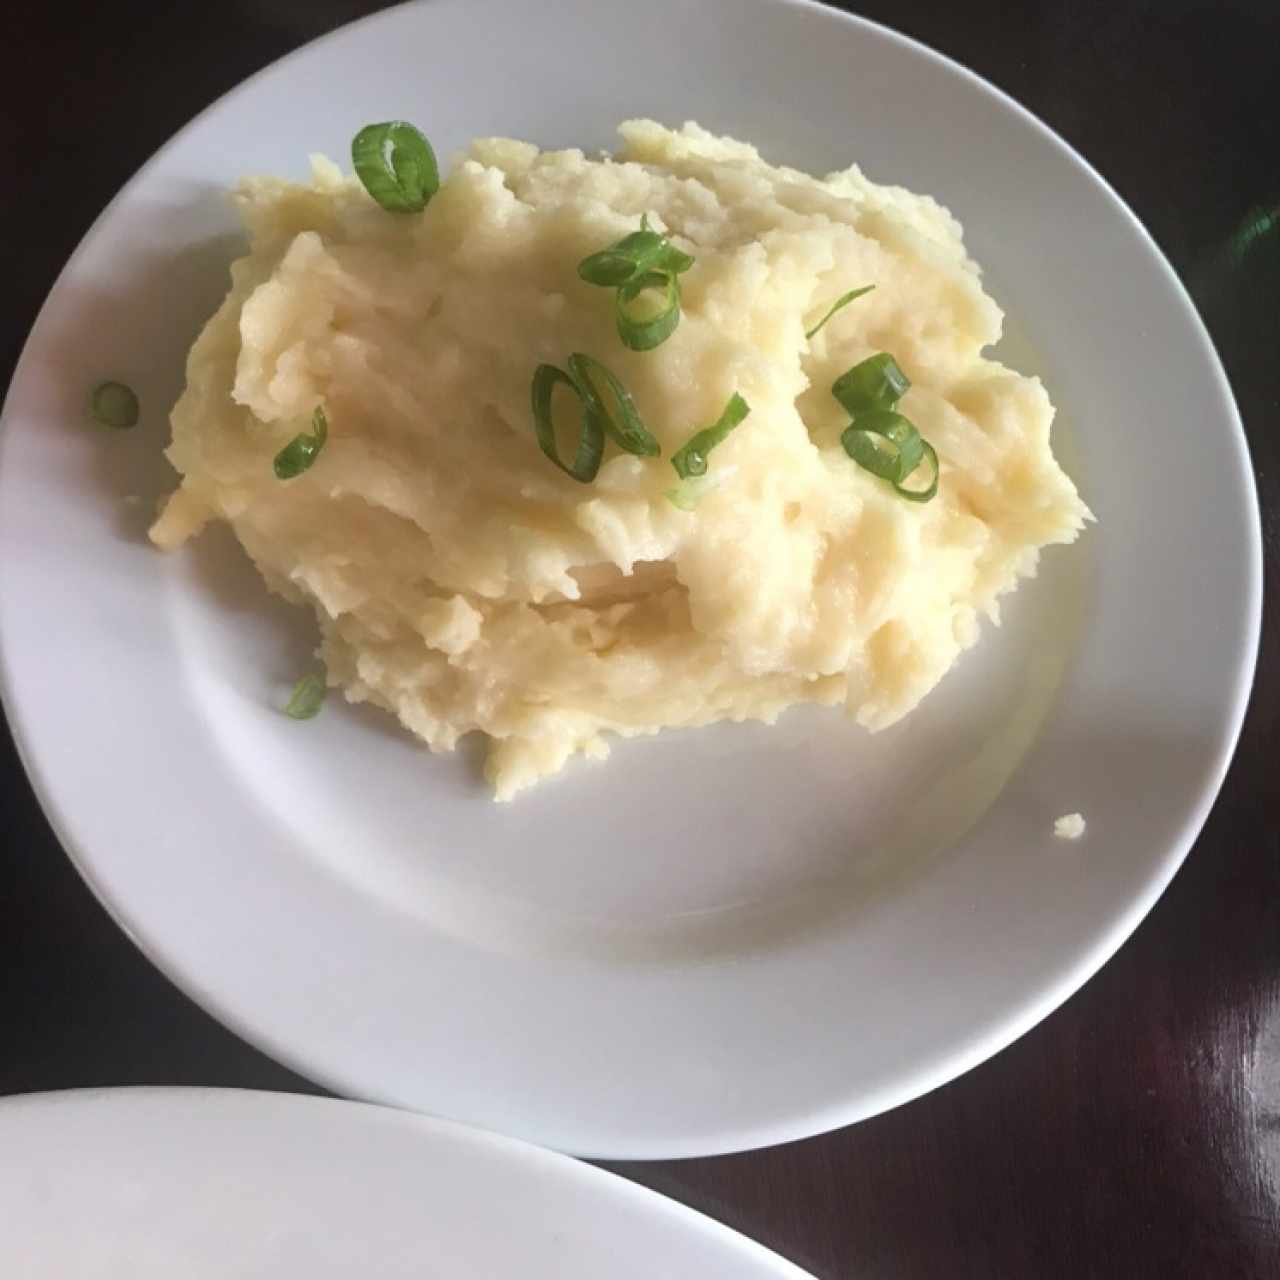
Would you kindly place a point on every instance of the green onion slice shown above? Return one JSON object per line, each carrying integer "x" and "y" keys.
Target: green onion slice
{"x": 586, "y": 461}
{"x": 396, "y": 164}
{"x": 306, "y": 699}
{"x": 875, "y": 383}
{"x": 302, "y": 450}
{"x": 923, "y": 495}
{"x": 885, "y": 443}
{"x": 838, "y": 305}
{"x": 632, "y": 256}
{"x": 628, "y": 429}
{"x": 691, "y": 458}
{"x": 114, "y": 405}
{"x": 889, "y": 446}
{"x": 642, "y": 333}
{"x": 618, "y": 263}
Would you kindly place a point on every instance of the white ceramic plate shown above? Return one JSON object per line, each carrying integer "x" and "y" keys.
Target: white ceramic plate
{"x": 722, "y": 938}
{"x": 152, "y": 1184}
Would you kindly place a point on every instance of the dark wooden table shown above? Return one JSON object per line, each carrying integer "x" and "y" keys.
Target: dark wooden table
{"x": 1136, "y": 1132}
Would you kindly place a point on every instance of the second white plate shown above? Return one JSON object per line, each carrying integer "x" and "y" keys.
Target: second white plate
{"x": 220, "y": 1184}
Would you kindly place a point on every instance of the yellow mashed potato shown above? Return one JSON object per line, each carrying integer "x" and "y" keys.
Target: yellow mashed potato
{"x": 463, "y": 583}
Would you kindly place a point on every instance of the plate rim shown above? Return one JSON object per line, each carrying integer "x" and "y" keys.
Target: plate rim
{"x": 583, "y": 1178}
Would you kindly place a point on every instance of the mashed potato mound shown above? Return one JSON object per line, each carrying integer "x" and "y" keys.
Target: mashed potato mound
{"x": 464, "y": 583}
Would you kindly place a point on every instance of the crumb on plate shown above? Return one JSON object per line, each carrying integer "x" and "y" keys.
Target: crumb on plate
{"x": 1069, "y": 827}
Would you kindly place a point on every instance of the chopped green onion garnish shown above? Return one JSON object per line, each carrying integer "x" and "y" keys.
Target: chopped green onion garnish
{"x": 840, "y": 303}
{"x": 306, "y": 699}
{"x": 303, "y": 450}
{"x": 627, "y": 429}
{"x": 586, "y": 461}
{"x": 643, "y": 334}
{"x": 884, "y": 443}
{"x": 630, "y": 432}
{"x": 691, "y": 458}
{"x": 618, "y": 263}
{"x": 632, "y": 256}
{"x": 640, "y": 261}
{"x": 922, "y": 495}
{"x": 879, "y": 439}
{"x": 889, "y": 446}
{"x": 114, "y": 405}
{"x": 396, "y": 164}
{"x": 875, "y": 383}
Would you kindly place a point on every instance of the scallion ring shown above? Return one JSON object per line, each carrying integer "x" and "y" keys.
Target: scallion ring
{"x": 691, "y": 458}
{"x": 618, "y": 263}
{"x": 590, "y": 450}
{"x": 838, "y": 305}
{"x": 892, "y": 461}
{"x": 874, "y": 383}
{"x": 397, "y": 165}
{"x": 114, "y": 405}
{"x": 628, "y": 430}
{"x": 633, "y": 255}
{"x": 306, "y": 699}
{"x": 922, "y": 495}
{"x": 644, "y": 333}
{"x": 298, "y": 455}
{"x": 889, "y": 446}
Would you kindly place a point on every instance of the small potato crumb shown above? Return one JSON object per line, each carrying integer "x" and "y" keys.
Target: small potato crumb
{"x": 1069, "y": 827}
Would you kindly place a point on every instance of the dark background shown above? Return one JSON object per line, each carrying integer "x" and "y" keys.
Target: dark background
{"x": 1136, "y": 1132}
